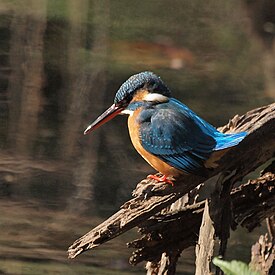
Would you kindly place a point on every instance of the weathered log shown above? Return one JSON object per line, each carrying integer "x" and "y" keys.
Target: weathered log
{"x": 205, "y": 245}
{"x": 263, "y": 255}
{"x": 167, "y": 264}
{"x": 180, "y": 230}
{"x": 150, "y": 197}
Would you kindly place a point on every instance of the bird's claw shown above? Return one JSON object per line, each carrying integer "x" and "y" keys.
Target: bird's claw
{"x": 162, "y": 178}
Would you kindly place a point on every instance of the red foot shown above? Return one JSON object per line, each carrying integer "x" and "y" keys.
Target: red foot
{"x": 162, "y": 178}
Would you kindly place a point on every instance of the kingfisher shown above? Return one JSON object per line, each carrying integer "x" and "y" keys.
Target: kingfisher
{"x": 172, "y": 138}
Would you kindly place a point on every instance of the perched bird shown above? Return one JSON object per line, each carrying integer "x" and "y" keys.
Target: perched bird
{"x": 166, "y": 133}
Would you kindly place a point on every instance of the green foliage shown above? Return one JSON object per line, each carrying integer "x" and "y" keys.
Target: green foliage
{"x": 234, "y": 267}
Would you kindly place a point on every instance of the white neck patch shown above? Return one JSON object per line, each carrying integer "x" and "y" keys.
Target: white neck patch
{"x": 127, "y": 112}
{"x": 155, "y": 97}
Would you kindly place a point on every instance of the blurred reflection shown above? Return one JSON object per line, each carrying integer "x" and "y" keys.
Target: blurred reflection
{"x": 61, "y": 63}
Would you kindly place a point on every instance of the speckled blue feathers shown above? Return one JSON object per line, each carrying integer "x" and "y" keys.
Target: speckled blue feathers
{"x": 146, "y": 80}
{"x": 179, "y": 137}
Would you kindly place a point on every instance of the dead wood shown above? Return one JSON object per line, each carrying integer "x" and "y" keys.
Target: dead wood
{"x": 167, "y": 264}
{"x": 205, "y": 245}
{"x": 181, "y": 230}
{"x": 262, "y": 256}
{"x": 151, "y": 199}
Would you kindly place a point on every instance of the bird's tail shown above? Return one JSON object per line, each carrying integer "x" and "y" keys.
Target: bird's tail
{"x": 228, "y": 140}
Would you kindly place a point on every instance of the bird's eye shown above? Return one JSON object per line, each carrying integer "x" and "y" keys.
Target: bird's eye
{"x": 125, "y": 101}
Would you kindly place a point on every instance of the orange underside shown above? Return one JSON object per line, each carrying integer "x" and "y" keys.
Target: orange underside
{"x": 154, "y": 161}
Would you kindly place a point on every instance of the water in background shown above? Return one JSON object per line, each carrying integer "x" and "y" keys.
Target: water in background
{"x": 61, "y": 64}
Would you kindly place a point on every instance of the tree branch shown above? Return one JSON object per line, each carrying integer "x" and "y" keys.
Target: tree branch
{"x": 180, "y": 230}
{"x": 150, "y": 197}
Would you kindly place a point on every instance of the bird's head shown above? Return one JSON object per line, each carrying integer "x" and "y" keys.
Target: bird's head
{"x": 139, "y": 89}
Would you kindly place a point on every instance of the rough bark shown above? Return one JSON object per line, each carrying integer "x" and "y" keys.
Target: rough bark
{"x": 263, "y": 255}
{"x": 181, "y": 229}
{"x": 164, "y": 229}
{"x": 166, "y": 266}
{"x": 205, "y": 245}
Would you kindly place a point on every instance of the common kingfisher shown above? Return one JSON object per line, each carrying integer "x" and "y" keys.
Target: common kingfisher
{"x": 166, "y": 133}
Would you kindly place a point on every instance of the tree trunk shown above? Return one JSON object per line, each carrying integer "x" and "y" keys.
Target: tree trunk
{"x": 27, "y": 74}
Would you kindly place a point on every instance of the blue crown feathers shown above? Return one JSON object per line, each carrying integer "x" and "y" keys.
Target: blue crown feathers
{"x": 146, "y": 80}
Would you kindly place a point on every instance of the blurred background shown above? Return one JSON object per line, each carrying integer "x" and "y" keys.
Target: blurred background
{"x": 61, "y": 62}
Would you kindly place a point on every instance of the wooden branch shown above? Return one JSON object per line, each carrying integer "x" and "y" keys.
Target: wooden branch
{"x": 205, "y": 245}
{"x": 151, "y": 197}
{"x": 263, "y": 255}
{"x": 167, "y": 264}
{"x": 180, "y": 230}
{"x": 254, "y": 201}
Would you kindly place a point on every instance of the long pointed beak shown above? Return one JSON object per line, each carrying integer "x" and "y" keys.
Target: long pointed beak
{"x": 105, "y": 117}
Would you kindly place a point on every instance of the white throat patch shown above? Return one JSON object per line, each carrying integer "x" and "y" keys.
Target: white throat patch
{"x": 127, "y": 112}
{"x": 155, "y": 97}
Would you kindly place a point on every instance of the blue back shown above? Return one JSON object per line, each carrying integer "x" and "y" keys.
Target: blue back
{"x": 178, "y": 136}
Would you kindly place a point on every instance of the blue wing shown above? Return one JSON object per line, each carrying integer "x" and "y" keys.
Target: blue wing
{"x": 175, "y": 134}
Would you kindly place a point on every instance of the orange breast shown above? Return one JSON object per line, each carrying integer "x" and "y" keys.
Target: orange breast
{"x": 154, "y": 161}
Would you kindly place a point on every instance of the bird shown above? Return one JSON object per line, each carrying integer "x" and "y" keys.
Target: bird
{"x": 172, "y": 138}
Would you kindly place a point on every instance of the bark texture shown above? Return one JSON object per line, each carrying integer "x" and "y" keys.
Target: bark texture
{"x": 169, "y": 217}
